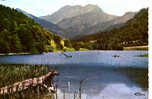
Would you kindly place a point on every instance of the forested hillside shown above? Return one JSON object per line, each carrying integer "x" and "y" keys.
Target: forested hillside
{"x": 19, "y": 33}
{"x": 46, "y": 24}
{"x": 133, "y": 33}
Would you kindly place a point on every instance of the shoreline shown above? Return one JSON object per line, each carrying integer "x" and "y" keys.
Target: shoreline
{"x": 13, "y": 54}
{"x": 136, "y": 48}
{"x": 133, "y": 48}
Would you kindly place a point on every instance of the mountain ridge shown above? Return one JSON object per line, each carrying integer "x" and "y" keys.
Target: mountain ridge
{"x": 69, "y": 11}
{"x": 116, "y": 23}
{"x": 133, "y": 33}
{"x": 47, "y": 25}
{"x": 78, "y": 21}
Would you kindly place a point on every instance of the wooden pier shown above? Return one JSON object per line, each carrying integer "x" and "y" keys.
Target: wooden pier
{"x": 45, "y": 82}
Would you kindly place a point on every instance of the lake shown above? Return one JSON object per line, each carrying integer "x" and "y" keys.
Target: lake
{"x": 102, "y": 75}
{"x": 100, "y": 58}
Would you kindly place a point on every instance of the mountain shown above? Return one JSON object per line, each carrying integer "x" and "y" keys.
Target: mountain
{"x": 75, "y": 19}
{"x": 71, "y": 11}
{"x": 46, "y": 24}
{"x": 19, "y": 33}
{"x": 115, "y": 23}
{"x": 79, "y": 21}
{"x": 133, "y": 33}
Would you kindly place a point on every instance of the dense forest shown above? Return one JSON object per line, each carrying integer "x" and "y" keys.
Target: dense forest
{"x": 133, "y": 33}
{"x": 19, "y": 33}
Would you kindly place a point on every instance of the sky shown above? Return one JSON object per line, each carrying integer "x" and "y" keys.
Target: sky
{"x": 47, "y": 7}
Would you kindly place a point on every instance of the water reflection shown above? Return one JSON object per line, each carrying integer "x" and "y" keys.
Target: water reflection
{"x": 112, "y": 91}
{"x": 107, "y": 82}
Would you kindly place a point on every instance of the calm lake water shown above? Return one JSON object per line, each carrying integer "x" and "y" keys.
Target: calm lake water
{"x": 103, "y": 76}
{"x": 100, "y": 58}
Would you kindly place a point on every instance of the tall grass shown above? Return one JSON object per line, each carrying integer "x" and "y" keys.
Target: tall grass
{"x": 9, "y": 74}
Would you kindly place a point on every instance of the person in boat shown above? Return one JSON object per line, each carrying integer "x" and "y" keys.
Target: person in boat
{"x": 116, "y": 56}
{"x": 139, "y": 94}
{"x": 68, "y": 56}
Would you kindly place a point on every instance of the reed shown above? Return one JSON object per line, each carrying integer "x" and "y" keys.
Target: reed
{"x": 9, "y": 74}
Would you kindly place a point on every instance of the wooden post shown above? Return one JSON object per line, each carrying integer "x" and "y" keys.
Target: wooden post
{"x": 38, "y": 90}
{"x": 56, "y": 92}
{"x": 80, "y": 89}
{"x": 74, "y": 95}
{"x": 63, "y": 94}
{"x": 80, "y": 92}
{"x": 68, "y": 85}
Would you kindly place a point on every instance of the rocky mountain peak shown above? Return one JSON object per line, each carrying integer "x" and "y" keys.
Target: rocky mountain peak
{"x": 129, "y": 14}
{"x": 91, "y": 6}
{"x": 70, "y": 11}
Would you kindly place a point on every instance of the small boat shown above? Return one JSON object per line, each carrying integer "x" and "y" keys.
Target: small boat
{"x": 139, "y": 94}
{"x": 115, "y": 56}
{"x": 68, "y": 56}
